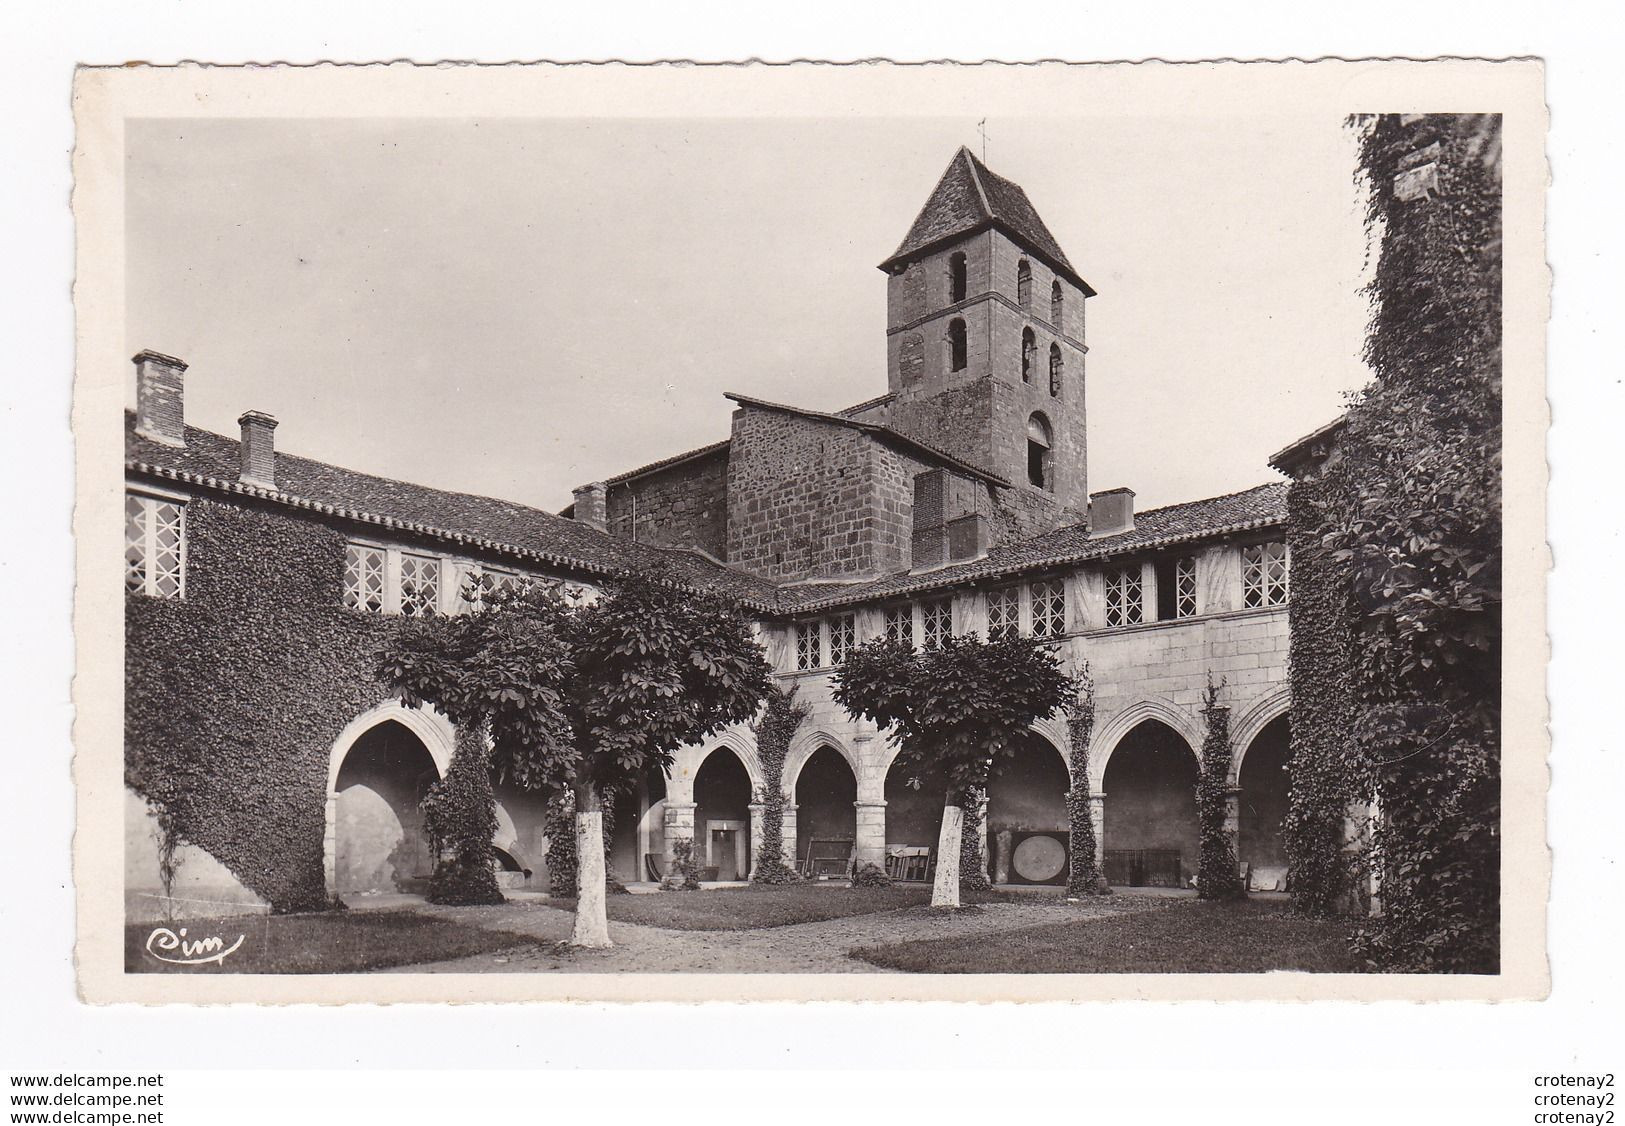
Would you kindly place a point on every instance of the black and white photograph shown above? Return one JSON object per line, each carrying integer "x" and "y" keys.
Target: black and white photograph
{"x": 1058, "y": 537}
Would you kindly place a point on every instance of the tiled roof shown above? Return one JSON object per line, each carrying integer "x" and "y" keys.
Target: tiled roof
{"x": 668, "y": 462}
{"x": 1255, "y": 509}
{"x": 528, "y": 534}
{"x": 912, "y": 444}
{"x": 969, "y": 197}
{"x": 210, "y": 460}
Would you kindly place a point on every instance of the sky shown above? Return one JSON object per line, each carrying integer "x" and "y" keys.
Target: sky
{"x": 516, "y": 306}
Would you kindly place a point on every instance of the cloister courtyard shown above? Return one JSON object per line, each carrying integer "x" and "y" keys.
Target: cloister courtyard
{"x": 804, "y": 928}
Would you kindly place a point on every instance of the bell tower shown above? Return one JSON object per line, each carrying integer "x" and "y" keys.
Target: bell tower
{"x": 984, "y": 340}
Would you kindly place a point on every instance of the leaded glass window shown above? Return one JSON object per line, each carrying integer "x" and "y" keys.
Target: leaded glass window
{"x": 420, "y": 585}
{"x": 154, "y": 546}
{"x": 1263, "y": 575}
{"x": 843, "y": 633}
{"x": 1124, "y": 597}
{"x": 1049, "y": 608}
{"x": 937, "y": 618}
{"x": 900, "y": 624}
{"x": 806, "y": 645}
{"x": 364, "y": 572}
{"x": 1003, "y": 611}
{"x": 1185, "y": 588}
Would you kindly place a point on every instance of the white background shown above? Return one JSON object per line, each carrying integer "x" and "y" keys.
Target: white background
{"x": 1255, "y": 1062}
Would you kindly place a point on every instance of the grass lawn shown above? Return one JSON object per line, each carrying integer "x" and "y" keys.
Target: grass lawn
{"x": 754, "y": 908}
{"x": 328, "y": 943}
{"x": 1247, "y": 937}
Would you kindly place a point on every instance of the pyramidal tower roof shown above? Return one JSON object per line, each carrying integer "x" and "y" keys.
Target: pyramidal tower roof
{"x": 971, "y": 198}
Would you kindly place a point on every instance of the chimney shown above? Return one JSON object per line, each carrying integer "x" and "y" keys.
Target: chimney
{"x": 592, "y": 505}
{"x": 1111, "y": 512}
{"x": 258, "y": 449}
{"x": 160, "y": 412}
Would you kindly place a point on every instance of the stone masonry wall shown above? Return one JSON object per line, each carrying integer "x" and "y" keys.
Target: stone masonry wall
{"x": 683, "y": 506}
{"x": 813, "y": 499}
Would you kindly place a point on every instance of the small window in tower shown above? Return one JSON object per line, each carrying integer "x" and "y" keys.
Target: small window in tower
{"x": 956, "y": 345}
{"x": 1038, "y": 453}
{"x": 1024, "y": 284}
{"x": 956, "y": 278}
{"x": 1055, "y": 305}
{"x": 1029, "y": 355}
{"x": 1054, "y": 369}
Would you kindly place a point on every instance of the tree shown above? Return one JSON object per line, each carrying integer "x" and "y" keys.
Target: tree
{"x": 958, "y": 712}
{"x": 585, "y": 694}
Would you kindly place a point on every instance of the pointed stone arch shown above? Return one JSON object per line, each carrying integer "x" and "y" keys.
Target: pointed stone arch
{"x": 1250, "y": 723}
{"x": 1120, "y": 723}
{"x": 1053, "y": 732}
{"x": 802, "y": 746}
{"x": 741, "y": 742}
{"x": 433, "y": 730}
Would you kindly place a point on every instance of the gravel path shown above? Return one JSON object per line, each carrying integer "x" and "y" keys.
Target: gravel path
{"x": 819, "y": 947}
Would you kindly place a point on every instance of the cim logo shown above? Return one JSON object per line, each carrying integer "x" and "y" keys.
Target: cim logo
{"x": 166, "y": 945}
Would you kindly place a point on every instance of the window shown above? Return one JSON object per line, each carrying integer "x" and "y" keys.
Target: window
{"x": 956, "y": 278}
{"x": 1038, "y": 452}
{"x": 364, "y": 570}
{"x": 420, "y": 585}
{"x": 956, "y": 345}
{"x": 154, "y": 546}
{"x": 1029, "y": 354}
{"x": 806, "y": 645}
{"x": 1263, "y": 575}
{"x": 1024, "y": 284}
{"x": 1049, "y": 608}
{"x": 900, "y": 624}
{"x": 1054, "y": 369}
{"x": 843, "y": 634}
{"x": 1176, "y": 589}
{"x": 937, "y": 618}
{"x": 1185, "y": 588}
{"x": 1055, "y": 305}
{"x": 1003, "y": 611}
{"x": 480, "y": 581}
{"x": 1123, "y": 597}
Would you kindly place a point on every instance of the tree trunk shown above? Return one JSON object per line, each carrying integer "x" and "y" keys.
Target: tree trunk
{"x": 592, "y": 922}
{"x": 945, "y": 891}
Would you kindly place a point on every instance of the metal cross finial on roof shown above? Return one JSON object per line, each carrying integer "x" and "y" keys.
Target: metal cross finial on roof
{"x": 981, "y": 127}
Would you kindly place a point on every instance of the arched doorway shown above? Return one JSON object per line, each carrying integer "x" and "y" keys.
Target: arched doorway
{"x": 914, "y": 801}
{"x": 1027, "y": 820}
{"x": 639, "y": 827}
{"x": 1264, "y": 784}
{"x": 380, "y": 844}
{"x": 1150, "y": 831}
{"x": 826, "y": 794}
{"x": 722, "y": 794}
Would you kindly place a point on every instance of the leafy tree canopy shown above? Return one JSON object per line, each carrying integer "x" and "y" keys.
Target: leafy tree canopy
{"x": 579, "y": 691}
{"x": 958, "y": 710}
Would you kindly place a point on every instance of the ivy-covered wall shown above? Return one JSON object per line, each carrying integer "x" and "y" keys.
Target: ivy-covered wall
{"x": 235, "y": 694}
{"x": 1328, "y": 770}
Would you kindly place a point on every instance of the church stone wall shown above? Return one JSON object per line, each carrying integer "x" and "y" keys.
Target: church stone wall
{"x": 814, "y": 499}
{"x": 683, "y": 506}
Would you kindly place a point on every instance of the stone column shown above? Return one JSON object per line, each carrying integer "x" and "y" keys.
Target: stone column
{"x": 1232, "y": 822}
{"x": 756, "y": 808}
{"x": 330, "y": 845}
{"x": 870, "y": 846}
{"x": 679, "y": 815}
{"x": 1097, "y": 818}
{"x": 790, "y": 857}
